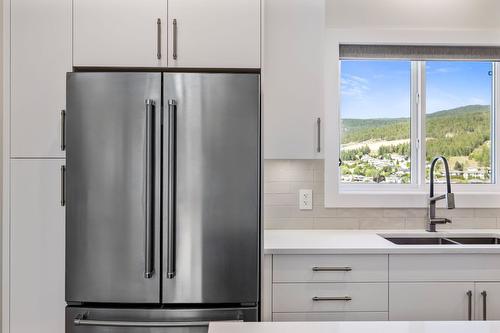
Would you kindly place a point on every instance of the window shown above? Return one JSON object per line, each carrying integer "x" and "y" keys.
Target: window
{"x": 458, "y": 119}
{"x": 398, "y": 108}
{"x": 376, "y": 117}
{"x": 375, "y": 122}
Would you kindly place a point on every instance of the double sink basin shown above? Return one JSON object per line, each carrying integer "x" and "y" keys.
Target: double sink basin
{"x": 444, "y": 240}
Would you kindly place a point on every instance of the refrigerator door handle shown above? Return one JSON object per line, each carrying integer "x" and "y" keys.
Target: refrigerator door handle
{"x": 149, "y": 260}
{"x": 172, "y": 151}
{"x": 81, "y": 321}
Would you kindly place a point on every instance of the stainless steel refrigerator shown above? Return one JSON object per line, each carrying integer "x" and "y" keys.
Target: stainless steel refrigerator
{"x": 162, "y": 201}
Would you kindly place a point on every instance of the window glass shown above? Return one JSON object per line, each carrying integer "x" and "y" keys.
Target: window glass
{"x": 375, "y": 121}
{"x": 458, "y": 119}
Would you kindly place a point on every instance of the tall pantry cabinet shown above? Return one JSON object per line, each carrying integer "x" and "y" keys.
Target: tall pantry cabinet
{"x": 39, "y": 34}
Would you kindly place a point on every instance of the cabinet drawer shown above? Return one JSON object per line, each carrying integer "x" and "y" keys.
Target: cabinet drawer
{"x": 444, "y": 267}
{"x": 331, "y": 316}
{"x": 330, "y": 268}
{"x": 323, "y": 297}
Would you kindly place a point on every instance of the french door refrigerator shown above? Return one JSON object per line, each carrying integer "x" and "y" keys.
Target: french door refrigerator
{"x": 162, "y": 201}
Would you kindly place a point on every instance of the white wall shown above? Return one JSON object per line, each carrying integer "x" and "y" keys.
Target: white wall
{"x": 414, "y": 14}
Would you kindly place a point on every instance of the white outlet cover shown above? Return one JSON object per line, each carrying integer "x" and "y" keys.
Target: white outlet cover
{"x": 305, "y": 199}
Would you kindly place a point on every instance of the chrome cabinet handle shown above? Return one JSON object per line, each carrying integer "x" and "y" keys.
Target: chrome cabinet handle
{"x": 174, "y": 39}
{"x": 149, "y": 262}
{"x": 158, "y": 41}
{"x": 484, "y": 294}
{"x": 63, "y": 130}
{"x": 331, "y": 269}
{"x": 469, "y": 304}
{"x": 332, "y": 298}
{"x": 318, "y": 132}
{"x": 172, "y": 156}
{"x": 63, "y": 185}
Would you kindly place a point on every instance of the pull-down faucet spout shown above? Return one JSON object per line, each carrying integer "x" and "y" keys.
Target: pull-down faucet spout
{"x": 449, "y": 197}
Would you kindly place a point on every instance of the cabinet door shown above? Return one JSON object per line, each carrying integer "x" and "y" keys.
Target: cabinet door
{"x": 119, "y": 33}
{"x": 489, "y": 293}
{"x": 36, "y": 247}
{"x": 430, "y": 301}
{"x": 214, "y": 34}
{"x": 40, "y": 58}
{"x": 292, "y": 78}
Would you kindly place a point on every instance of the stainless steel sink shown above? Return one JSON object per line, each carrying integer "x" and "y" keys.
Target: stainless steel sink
{"x": 448, "y": 240}
{"x": 476, "y": 240}
{"x": 420, "y": 241}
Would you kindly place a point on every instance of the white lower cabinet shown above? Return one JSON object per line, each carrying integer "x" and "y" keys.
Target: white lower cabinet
{"x": 430, "y": 300}
{"x": 36, "y": 247}
{"x": 487, "y": 293}
{"x": 409, "y": 287}
{"x": 327, "y": 287}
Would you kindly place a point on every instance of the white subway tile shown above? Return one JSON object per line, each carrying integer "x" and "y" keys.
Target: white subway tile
{"x": 405, "y": 212}
{"x": 413, "y": 223}
{"x": 360, "y": 212}
{"x": 486, "y": 212}
{"x": 335, "y": 223}
{"x": 276, "y": 187}
{"x": 288, "y": 223}
{"x": 381, "y": 223}
{"x": 281, "y": 199}
{"x": 470, "y": 223}
{"x": 286, "y": 211}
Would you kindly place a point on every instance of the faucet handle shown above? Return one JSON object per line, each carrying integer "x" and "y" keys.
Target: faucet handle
{"x": 439, "y": 220}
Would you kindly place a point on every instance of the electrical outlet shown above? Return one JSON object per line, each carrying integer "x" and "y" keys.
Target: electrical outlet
{"x": 305, "y": 199}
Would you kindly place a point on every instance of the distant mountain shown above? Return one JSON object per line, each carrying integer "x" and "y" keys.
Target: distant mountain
{"x": 356, "y": 130}
{"x": 454, "y": 132}
{"x": 463, "y": 110}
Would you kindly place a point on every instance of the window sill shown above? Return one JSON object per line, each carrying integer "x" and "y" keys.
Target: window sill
{"x": 363, "y": 199}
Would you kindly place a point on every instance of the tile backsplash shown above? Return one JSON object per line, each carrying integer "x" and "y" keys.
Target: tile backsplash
{"x": 284, "y": 178}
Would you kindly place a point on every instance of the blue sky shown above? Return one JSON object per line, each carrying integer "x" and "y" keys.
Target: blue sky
{"x": 381, "y": 89}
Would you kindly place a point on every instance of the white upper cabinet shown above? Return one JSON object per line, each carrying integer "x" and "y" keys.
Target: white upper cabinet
{"x": 198, "y": 33}
{"x": 292, "y": 78}
{"x": 114, "y": 33}
{"x": 214, "y": 34}
{"x": 36, "y": 247}
{"x": 40, "y": 58}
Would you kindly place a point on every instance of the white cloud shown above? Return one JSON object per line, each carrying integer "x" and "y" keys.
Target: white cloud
{"x": 352, "y": 85}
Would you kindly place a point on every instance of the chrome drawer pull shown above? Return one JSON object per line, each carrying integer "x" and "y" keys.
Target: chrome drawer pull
{"x": 335, "y": 298}
{"x": 332, "y": 269}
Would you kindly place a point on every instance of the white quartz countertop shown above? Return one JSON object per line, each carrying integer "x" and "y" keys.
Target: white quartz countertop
{"x": 368, "y": 242}
{"x": 358, "y": 327}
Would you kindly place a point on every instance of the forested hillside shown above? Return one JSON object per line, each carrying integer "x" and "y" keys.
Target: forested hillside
{"x": 464, "y": 131}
